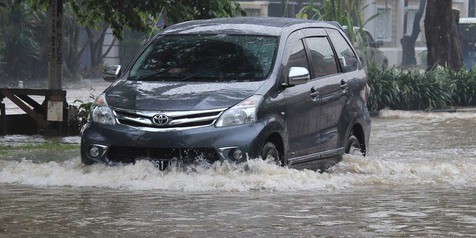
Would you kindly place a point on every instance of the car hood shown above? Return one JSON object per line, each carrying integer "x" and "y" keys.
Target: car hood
{"x": 178, "y": 96}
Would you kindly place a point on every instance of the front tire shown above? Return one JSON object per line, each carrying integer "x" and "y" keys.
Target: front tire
{"x": 271, "y": 153}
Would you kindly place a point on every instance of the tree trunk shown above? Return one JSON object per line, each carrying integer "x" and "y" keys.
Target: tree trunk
{"x": 96, "y": 41}
{"x": 408, "y": 42}
{"x": 442, "y": 37}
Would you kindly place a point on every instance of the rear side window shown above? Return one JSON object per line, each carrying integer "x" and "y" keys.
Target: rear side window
{"x": 322, "y": 57}
{"x": 347, "y": 58}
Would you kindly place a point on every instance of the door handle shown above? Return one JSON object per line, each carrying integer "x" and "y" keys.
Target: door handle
{"x": 314, "y": 94}
{"x": 344, "y": 86}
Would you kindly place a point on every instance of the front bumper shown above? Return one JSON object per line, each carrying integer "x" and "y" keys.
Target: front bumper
{"x": 124, "y": 144}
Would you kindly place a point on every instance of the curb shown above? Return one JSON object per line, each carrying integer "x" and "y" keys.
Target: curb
{"x": 450, "y": 110}
{"x": 469, "y": 109}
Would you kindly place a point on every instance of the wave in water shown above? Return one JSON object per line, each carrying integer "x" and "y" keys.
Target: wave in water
{"x": 255, "y": 175}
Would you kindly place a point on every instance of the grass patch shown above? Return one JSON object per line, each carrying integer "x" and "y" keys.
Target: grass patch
{"x": 39, "y": 146}
{"x": 40, "y": 152}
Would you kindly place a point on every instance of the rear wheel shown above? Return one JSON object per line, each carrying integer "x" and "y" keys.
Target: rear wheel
{"x": 353, "y": 146}
{"x": 271, "y": 153}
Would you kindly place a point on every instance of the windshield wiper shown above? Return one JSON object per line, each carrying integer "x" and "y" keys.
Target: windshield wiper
{"x": 152, "y": 75}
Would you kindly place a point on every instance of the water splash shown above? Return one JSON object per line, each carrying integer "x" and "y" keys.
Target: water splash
{"x": 255, "y": 175}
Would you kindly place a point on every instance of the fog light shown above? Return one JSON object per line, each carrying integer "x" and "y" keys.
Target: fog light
{"x": 97, "y": 150}
{"x": 237, "y": 154}
{"x": 94, "y": 151}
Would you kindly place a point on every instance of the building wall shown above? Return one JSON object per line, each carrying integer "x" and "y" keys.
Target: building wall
{"x": 255, "y": 8}
{"x": 392, "y": 47}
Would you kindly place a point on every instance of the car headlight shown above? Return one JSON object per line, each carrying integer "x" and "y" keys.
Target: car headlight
{"x": 242, "y": 113}
{"x": 100, "y": 111}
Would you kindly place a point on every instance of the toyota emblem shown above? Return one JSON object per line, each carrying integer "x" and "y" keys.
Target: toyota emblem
{"x": 160, "y": 119}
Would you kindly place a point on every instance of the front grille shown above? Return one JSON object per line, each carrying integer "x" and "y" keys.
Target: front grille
{"x": 176, "y": 119}
{"x": 187, "y": 156}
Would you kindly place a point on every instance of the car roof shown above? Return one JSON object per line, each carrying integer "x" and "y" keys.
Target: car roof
{"x": 355, "y": 28}
{"x": 273, "y": 26}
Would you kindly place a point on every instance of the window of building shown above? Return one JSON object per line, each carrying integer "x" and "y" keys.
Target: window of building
{"x": 384, "y": 24}
{"x": 253, "y": 12}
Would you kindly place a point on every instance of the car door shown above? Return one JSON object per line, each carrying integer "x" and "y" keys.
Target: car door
{"x": 334, "y": 95}
{"x": 301, "y": 113}
{"x": 329, "y": 83}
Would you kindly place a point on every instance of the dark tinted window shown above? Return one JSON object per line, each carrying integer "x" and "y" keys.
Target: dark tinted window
{"x": 322, "y": 56}
{"x": 206, "y": 58}
{"x": 297, "y": 57}
{"x": 347, "y": 58}
{"x": 370, "y": 40}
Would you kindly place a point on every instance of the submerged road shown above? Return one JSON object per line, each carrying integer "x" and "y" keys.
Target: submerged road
{"x": 417, "y": 180}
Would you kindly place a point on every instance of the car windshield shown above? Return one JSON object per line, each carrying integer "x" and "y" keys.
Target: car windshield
{"x": 206, "y": 58}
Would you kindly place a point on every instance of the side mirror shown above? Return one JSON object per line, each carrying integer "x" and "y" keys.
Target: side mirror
{"x": 298, "y": 75}
{"x": 111, "y": 73}
{"x": 379, "y": 43}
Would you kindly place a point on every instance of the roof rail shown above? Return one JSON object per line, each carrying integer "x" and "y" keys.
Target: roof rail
{"x": 337, "y": 24}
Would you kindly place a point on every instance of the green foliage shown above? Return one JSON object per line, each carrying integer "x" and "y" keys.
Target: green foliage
{"x": 463, "y": 84}
{"x": 20, "y": 49}
{"x": 414, "y": 90}
{"x": 345, "y": 12}
{"x": 3, "y": 4}
{"x": 135, "y": 14}
{"x": 82, "y": 111}
{"x": 23, "y": 28}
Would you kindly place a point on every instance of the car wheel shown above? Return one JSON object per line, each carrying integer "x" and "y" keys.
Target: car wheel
{"x": 271, "y": 153}
{"x": 353, "y": 146}
{"x": 87, "y": 161}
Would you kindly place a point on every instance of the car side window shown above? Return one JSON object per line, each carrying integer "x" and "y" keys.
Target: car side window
{"x": 294, "y": 55}
{"x": 322, "y": 57}
{"x": 370, "y": 40}
{"x": 297, "y": 56}
{"x": 347, "y": 58}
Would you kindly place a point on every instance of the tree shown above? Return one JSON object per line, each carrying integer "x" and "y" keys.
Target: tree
{"x": 176, "y": 11}
{"x": 95, "y": 17}
{"x": 408, "y": 41}
{"x": 135, "y": 14}
{"x": 20, "y": 40}
{"x": 442, "y": 37}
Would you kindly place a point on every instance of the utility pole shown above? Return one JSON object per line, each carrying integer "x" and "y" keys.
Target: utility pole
{"x": 55, "y": 59}
{"x": 57, "y": 98}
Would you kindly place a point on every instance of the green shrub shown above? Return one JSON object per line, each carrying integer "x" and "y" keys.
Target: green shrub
{"x": 463, "y": 85}
{"x": 414, "y": 90}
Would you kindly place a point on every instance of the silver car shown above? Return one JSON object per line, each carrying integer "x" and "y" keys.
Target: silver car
{"x": 368, "y": 49}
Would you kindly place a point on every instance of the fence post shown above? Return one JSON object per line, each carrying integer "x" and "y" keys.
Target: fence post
{"x": 3, "y": 118}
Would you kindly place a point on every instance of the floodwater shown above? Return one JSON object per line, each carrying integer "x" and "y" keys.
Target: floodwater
{"x": 419, "y": 179}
